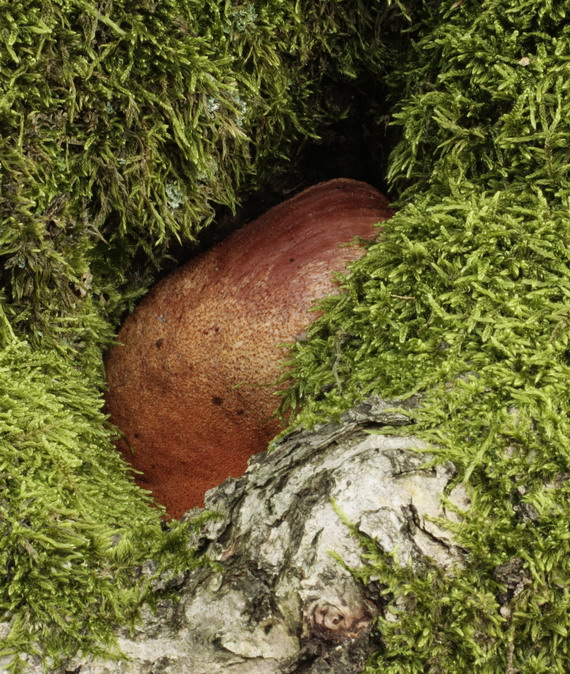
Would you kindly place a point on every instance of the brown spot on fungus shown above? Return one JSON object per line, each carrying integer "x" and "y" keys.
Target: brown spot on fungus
{"x": 245, "y": 292}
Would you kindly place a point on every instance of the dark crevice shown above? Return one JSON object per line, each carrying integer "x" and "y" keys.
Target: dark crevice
{"x": 357, "y": 146}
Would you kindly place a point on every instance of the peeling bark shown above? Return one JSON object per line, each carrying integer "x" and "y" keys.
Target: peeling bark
{"x": 278, "y": 601}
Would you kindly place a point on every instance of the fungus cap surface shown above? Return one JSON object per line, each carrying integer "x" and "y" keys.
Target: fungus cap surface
{"x": 192, "y": 382}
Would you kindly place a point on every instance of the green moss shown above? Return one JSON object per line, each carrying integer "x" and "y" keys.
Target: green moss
{"x": 74, "y": 526}
{"x": 68, "y": 518}
{"x": 124, "y": 126}
{"x": 466, "y": 300}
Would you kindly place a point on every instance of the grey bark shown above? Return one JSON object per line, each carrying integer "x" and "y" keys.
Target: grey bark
{"x": 278, "y": 601}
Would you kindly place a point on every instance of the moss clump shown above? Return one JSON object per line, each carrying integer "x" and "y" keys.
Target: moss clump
{"x": 467, "y": 300}
{"x": 69, "y": 519}
{"x": 124, "y": 125}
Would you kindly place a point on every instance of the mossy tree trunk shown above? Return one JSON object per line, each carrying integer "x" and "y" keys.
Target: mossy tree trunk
{"x": 285, "y": 592}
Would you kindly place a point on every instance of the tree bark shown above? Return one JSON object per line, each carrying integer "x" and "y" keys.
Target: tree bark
{"x": 278, "y": 601}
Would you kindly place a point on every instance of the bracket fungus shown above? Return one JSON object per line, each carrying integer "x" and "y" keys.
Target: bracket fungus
{"x": 191, "y": 383}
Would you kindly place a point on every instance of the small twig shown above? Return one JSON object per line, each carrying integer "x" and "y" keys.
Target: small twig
{"x": 339, "y": 339}
{"x": 402, "y": 297}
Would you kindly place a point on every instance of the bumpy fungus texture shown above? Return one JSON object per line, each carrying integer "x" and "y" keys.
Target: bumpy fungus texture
{"x": 191, "y": 384}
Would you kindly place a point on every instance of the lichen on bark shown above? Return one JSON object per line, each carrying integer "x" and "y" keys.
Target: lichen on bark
{"x": 282, "y": 595}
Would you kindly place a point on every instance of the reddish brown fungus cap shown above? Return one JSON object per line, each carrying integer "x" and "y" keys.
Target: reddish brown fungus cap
{"x": 191, "y": 384}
